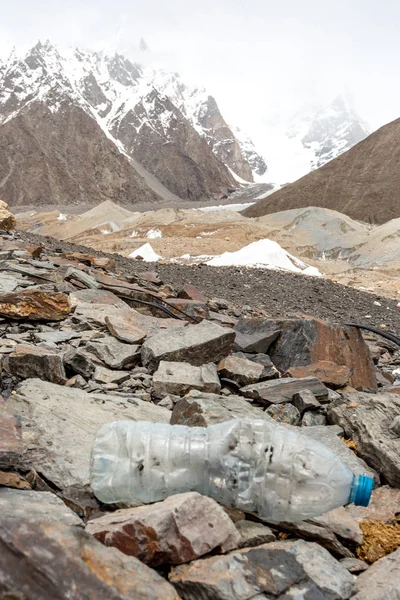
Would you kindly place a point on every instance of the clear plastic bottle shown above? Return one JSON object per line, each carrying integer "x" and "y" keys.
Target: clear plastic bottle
{"x": 253, "y": 465}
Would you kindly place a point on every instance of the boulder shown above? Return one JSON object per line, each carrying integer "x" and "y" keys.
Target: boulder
{"x": 7, "y": 219}
{"x": 115, "y": 354}
{"x": 366, "y": 419}
{"x": 40, "y": 506}
{"x": 27, "y": 362}
{"x": 255, "y": 335}
{"x": 253, "y": 534}
{"x": 331, "y": 374}
{"x": 277, "y": 570}
{"x": 61, "y": 562}
{"x": 283, "y": 390}
{"x": 381, "y": 581}
{"x": 35, "y": 305}
{"x": 307, "y": 341}
{"x": 198, "y": 409}
{"x": 313, "y": 419}
{"x": 195, "y": 344}
{"x": 177, "y": 530}
{"x": 179, "y": 378}
{"x": 240, "y": 370}
{"x": 59, "y": 425}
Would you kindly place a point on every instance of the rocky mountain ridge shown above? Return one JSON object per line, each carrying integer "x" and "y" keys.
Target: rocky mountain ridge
{"x": 189, "y": 148}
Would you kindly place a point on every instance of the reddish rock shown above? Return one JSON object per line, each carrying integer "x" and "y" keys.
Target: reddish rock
{"x": 49, "y": 561}
{"x": 35, "y": 306}
{"x": 190, "y": 292}
{"x": 151, "y": 277}
{"x": 307, "y": 341}
{"x": 28, "y": 362}
{"x": 177, "y": 530}
{"x": 331, "y": 374}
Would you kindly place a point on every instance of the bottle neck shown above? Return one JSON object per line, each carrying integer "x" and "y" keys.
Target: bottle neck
{"x": 361, "y": 490}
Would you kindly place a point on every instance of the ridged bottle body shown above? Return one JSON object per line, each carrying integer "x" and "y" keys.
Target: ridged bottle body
{"x": 253, "y": 465}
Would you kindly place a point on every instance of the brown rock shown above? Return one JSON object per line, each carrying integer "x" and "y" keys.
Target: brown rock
{"x": 7, "y": 219}
{"x": 191, "y": 308}
{"x": 35, "y": 306}
{"x": 331, "y": 374}
{"x": 151, "y": 277}
{"x": 177, "y": 530}
{"x": 81, "y": 500}
{"x": 13, "y": 480}
{"x": 179, "y": 378}
{"x": 383, "y": 506}
{"x": 307, "y": 341}
{"x": 11, "y": 446}
{"x": 195, "y": 344}
{"x": 26, "y": 362}
{"x": 190, "y": 292}
{"x": 123, "y": 331}
{"x": 102, "y": 375}
{"x": 75, "y": 566}
{"x": 240, "y": 370}
{"x": 278, "y": 391}
{"x": 253, "y": 534}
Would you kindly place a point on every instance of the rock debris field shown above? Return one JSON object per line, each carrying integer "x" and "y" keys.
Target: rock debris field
{"x": 87, "y": 339}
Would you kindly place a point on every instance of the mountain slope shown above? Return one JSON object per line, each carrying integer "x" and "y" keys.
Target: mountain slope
{"x": 363, "y": 183}
{"x": 63, "y": 158}
{"x": 126, "y": 107}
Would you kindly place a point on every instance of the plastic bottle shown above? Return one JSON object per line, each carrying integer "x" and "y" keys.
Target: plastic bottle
{"x": 254, "y": 465}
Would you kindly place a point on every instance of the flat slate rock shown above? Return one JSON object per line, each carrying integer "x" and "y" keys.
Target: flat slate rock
{"x": 381, "y": 581}
{"x": 41, "y": 506}
{"x": 279, "y": 570}
{"x": 198, "y": 409}
{"x": 59, "y": 425}
{"x": 367, "y": 419}
{"x": 11, "y": 446}
{"x": 53, "y": 561}
{"x": 196, "y": 344}
{"x": 277, "y": 391}
{"x": 179, "y": 378}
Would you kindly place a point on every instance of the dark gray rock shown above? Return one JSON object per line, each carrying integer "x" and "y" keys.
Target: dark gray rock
{"x": 115, "y": 354}
{"x": 354, "y": 565}
{"x": 30, "y": 361}
{"x": 280, "y": 570}
{"x": 282, "y": 390}
{"x": 381, "y": 581}
{"x": 255, "y": 335}
{"x": 41, "y": 506}
{"x": 305, "y": 400}
{"x": 79, "y": 362}
{"x": 314, "y": 419}
{"x": 253, "y": 534}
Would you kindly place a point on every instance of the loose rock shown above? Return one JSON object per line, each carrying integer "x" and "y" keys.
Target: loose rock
{"x": 240, "y": 370}
{"x": 35, "y": 306}
{"x": 195, "y": 344}
{"x": 253, "y": 534}
{"x": 283, "y": 390}
{"x": 41, "y": 506}
{"x": 29, "y": 361}
{"x": 177, "y": 530}
{"x": 331, "y": 374}
{"x": 381, "y": 581}
{"x": 61, "y": 562}
{"x": 305, "y": 400}
{"x": 179, "y": 378}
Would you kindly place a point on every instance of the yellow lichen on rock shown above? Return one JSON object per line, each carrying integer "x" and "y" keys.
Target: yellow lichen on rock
{"x": 379, "y": 539}
{"x": 7, "y": 219}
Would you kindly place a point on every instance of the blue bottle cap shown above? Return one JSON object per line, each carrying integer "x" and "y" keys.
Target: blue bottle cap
{"x": 361, "y": 490}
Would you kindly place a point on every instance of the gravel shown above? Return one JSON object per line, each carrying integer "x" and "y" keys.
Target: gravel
{"x": 277, "y": 293}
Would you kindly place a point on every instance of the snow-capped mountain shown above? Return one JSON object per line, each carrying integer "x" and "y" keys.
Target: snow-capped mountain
{"x": 309, "y": 139}
{"x": 175, "y": 132}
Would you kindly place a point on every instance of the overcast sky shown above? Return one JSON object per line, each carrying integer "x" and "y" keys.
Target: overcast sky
{"x": 276, "y": 54}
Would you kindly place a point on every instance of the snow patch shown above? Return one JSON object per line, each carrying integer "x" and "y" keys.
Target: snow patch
{"x": 154, "y": 234}
{"x": 234, "y": 207}
{"x": 146, "y": 252}
{"x": 61, "y": 217}
{"x": 263, "y": 254}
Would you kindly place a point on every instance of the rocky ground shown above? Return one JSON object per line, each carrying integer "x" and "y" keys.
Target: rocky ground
{"x": 88, "y": 338}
